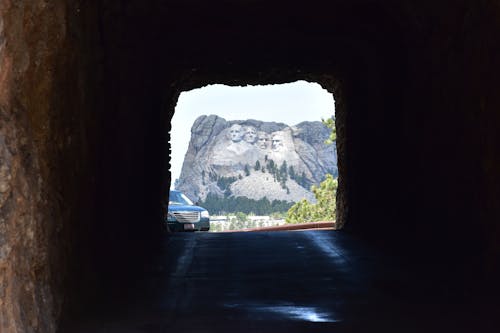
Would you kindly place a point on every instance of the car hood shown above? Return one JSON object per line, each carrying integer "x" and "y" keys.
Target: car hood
{"x": 185, "y": 208}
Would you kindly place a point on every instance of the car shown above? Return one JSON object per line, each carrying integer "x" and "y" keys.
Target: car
{"x": 184, "y": 215}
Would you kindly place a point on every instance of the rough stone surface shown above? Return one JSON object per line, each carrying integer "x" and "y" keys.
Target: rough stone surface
{"x": 220, "y": 148}
{"x": 27, "y": 303}
{"x": 41, "y": 153}
{"x": 87, "y": 90}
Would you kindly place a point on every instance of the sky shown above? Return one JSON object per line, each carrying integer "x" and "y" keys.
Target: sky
{"x": 289, "y": 103}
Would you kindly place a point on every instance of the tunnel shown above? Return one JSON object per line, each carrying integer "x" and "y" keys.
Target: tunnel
{"x": 88, "y": 89}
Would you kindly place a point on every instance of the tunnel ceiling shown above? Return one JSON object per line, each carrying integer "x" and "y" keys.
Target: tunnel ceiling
{"x": 253, "y": 33}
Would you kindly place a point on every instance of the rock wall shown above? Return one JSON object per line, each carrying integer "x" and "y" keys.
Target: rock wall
{"x": 234, "y": 149}
{"x": 44, "y": 158}
{"x": 87, "y": 90}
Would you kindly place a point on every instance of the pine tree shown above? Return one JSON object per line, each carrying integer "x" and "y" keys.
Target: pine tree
{"x": 322, "y": 210}
{"x": 330, "y": 123}
{"x": 291, "y": 172}
{"x": 303, "y": 180}
{"x": 283, "y": 171}
{"x": 257, "y": 165}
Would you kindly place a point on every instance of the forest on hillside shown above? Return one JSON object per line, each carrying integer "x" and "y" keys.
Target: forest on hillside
{"x": 224, "y": 205}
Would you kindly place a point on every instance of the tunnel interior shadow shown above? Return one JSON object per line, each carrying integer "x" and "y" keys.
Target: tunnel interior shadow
{"x": 394, "y": 74}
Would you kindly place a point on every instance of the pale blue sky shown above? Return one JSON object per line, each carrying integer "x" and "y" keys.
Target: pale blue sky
{"x": 289, "y": 103}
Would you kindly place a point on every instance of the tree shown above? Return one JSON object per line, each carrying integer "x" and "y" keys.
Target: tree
{"x": 283, "y": 171}
{"x": 257, "y": 165}
{"x": 300, "y": 212}
{"x": 225, "y": 182}
{"x": 271, "y": 166}
{"x": 228, "y": 204}
{"x": 247, "y": 170}
{"x": 302, "y": 180}
{"x": 330, "y": 123}
{"x": 322, "y": 210}
{"x": 242, "y": 217}
{"x": 291, "y": 172}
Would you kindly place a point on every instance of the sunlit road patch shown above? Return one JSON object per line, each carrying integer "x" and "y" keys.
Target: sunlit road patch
{"x": 287, "y": 312}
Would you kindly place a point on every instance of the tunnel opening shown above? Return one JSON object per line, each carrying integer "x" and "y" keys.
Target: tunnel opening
{"x": 282, "y": 147}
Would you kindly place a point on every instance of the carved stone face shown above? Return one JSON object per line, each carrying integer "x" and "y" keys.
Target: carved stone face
{"x": 277, "y": 142}
{"x": 263, "y": 141}
{"x": 250, "y": 135}
{"x": 235, "y": 133}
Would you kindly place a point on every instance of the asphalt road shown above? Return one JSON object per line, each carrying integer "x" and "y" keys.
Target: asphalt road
{"x": 302, "y": 281}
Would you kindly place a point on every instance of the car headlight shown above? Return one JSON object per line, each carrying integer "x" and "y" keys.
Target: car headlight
{"x": 170, "y": 217}
{"x": 205, "y": 214}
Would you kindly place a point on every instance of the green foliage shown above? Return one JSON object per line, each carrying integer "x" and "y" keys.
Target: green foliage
{"x": 299, "y": 179}
{"x": 271, "y": 166}
{"x": 280, "y": 174}
{"x": 291, "y": 172}
{"x": 322, "y": 210}
{"x": 330, "y": 123}
{"x": 283, "y": 171}
{"x": 225, "y": 182}
{"x": 257, "y": 166}
{"x": 241, "y": 217}
{"x": 302, "y": 180}
{"x": 301, "y": 212}
{"x": 239, "y": 221}
{"x": 278, "y": 215}
{"x": 221, "y": 206}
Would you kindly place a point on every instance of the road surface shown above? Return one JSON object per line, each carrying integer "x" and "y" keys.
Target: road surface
{"x": 294, "y": 281}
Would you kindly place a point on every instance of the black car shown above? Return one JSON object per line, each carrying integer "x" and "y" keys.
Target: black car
{"x": 184, "y": 215}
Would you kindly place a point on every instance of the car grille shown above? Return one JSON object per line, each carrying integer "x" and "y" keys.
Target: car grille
{"x": 186, "y": 217}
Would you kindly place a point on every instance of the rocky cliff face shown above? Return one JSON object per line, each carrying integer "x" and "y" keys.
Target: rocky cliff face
{"x": 255, "y": 159}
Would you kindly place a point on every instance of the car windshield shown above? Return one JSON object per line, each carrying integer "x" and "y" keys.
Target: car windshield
{"x": 177, "y": 198}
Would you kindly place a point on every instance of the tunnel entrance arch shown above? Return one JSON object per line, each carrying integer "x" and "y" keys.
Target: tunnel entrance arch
{"x": 327, "y": 82}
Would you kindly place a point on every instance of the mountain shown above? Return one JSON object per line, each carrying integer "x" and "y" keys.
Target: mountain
{"x": 256, "y": 159}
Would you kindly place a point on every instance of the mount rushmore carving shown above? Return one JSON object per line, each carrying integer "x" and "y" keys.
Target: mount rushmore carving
{"x": 244, "y": 144}
{"x": 255, "y": 159}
